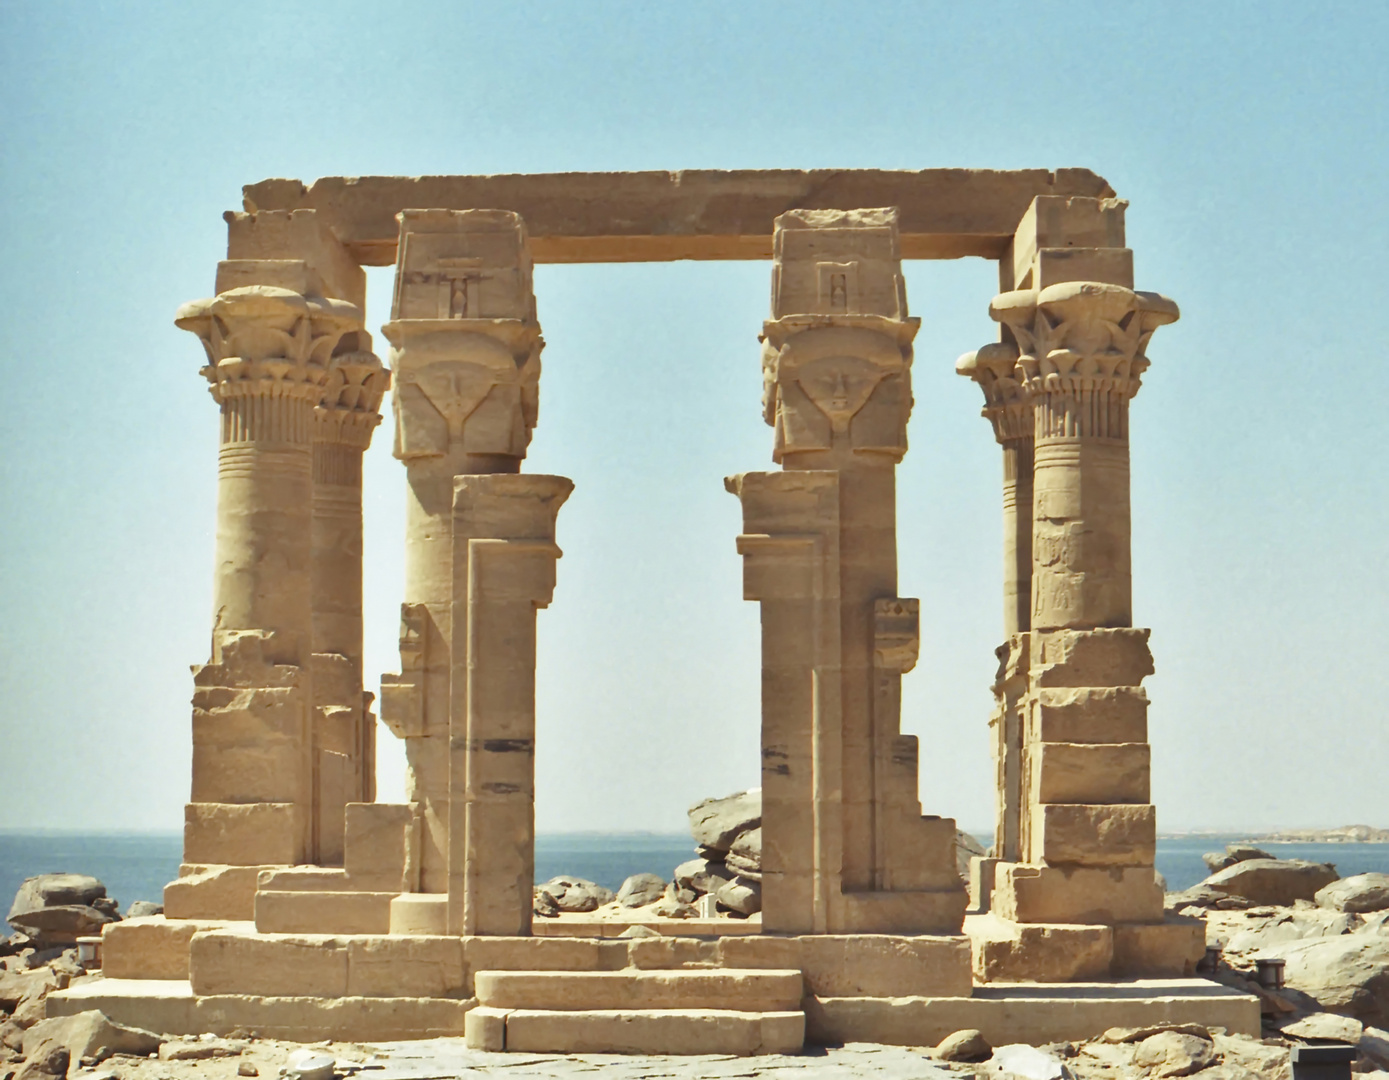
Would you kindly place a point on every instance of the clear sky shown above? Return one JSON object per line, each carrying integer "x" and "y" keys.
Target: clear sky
{"x": 1249, "y": 137}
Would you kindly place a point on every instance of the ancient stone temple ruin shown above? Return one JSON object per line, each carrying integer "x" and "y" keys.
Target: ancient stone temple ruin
{"x": 306, "y": 909}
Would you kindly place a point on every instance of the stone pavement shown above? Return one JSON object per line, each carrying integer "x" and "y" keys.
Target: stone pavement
{"x": 446, "y": 1059}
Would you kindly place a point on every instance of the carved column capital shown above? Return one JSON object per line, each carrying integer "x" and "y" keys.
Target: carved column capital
{"x": 469, "y": 385}
{"x": 263, "y": 341}
{"x": 838, "y": 382}
{"x": 349, "y": 407}
{"x": 1083, "y": 339}
{"x": 1007, "y": 405}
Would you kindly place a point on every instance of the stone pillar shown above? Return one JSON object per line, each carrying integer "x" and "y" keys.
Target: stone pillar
{"x": 837, "y": 390}
{"x": 344, "y": 726}
{"x": 1009, "y": 411}
{"x": 504, "y": 570}
{"x": 1088, "y": 829}
{"x": 466, "y": 363}
{"x": 268, "y": 351}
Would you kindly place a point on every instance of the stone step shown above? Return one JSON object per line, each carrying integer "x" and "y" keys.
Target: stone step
{"x": 153, "y": 946}
{"x": 170, "y": 1007}
{"x": 635, "y": 1031}
{"x": 287, "y": 911}
{"x": 722, "y": 989}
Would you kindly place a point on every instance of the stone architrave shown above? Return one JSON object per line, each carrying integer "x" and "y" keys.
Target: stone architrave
{"x": 466, "y": 363}
{"x": 504, "y": 557}
{"x": 839, "y": 777}
{"x": 344, "y": 725}
{"x": 269, "y": 351}
{"x": 1087, "y": 826}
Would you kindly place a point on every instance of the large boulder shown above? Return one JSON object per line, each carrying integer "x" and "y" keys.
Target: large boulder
{"x": 1233, "y": 853}
{"x": 640, "y": 890}
{"x": 576, "y": 893}
{"x": 742, "y": 895}
{"x": 1273, "y": 881}
{"x": 90, "y": 1035}
{"x": 745, "y": 855}
{"x": 716, "y": 823}
{"x": 966, "y": 848}
{"x": 1357, "y": 894}
{"x": 57, "y": 909}
{"x": 1348, "y": 974}
{"x": 701, "y": 876}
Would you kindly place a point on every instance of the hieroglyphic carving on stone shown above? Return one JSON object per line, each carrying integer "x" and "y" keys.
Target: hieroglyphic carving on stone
{"x": 1082, "y": 352}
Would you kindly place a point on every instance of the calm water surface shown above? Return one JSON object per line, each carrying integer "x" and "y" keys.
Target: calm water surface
{"x": 135, "y": 866}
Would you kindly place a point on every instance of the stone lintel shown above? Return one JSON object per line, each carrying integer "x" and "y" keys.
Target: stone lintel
{"x": 691, "y": 214}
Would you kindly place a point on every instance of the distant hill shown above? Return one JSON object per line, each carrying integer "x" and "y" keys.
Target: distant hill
{"x": 1346, "y": 834}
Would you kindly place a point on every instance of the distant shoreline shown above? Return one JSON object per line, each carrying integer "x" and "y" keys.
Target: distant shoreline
{"x": 1345, "y": 834}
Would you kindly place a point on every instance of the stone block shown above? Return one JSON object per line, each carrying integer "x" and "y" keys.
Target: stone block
{"x": 717, "y": 988}
{"x": 543, "y": 954}
{"x": 162, "y": 1005}
{"x": 1006, "y": 951}
{"x": 346, "y": 1019}
{"x": 935, "y": 912}
{"x": 1111, "y": 657}
{"x": 299, "y": 912}
{"x": 1085, "y": 835}
{"x": 374, "y": 842}
{"x": 280, "y": 965}
{"x": 1169, "y": 949}
{"x": 1091, "y": 773}
{"x": 242, "y": 834}
{"x": 300, "y": 234}
{"x": 1113, "y": 266}
{"x": 434, "y": 242}
{"x": 1032, "y": 1014}
{"x": 485, "y": 1029}
{"x": 755, "y": 951}
{"x": 1059, "y": 221}
{"x": 885, "y": 965}
{"x": 673, "y": 952}
{"x": 1083, "y": 714}
{"x": 153, "y": 946}
{"x": 830, "y": 262}
{"x": 213, "y": 892}
{"x": 1077, "y": 894}
{"x": 648, "y": 1031}
{"x": 981, "y": 883}
{"x": 420, "y": 913}
{"x": 421, "y": 967}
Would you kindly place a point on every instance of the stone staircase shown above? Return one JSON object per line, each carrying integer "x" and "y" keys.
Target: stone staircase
{"x": 634, "y": 1011}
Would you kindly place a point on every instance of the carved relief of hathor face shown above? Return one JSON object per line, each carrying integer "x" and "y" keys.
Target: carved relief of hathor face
{"x": 468, "y": 392}
{"x": 837, "y": 388}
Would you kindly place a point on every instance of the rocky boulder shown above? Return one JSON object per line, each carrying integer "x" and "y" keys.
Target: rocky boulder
{"x": 1171, "y": 1053}
{"x": 1233, "y": 853}
{"x": 716, "y": 823}
{"x": 745, "y": 855}
{"x": 966, "y": 848}
{"x": 1357, "y": 895}
{"x": 1348, "y": 974}
{"x": 640, "y": 890}
{"x": 1273, "y": 881}
{"x": 575, "y": 893}
{"x": 57, "y": 909}
{"x": 741, "y": 895}
{"x": 89, "y": 1035}
{"x": 701, "y": 876}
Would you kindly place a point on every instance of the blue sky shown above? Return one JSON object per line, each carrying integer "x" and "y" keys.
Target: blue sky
{"x": 1250, "y": 139}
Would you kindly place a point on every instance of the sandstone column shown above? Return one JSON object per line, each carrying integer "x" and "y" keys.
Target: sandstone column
{"x": 504, "y": 570}
{"x": 1009, "y": 410}
{"x": 268, "y": 352}
{"x": 837, "y": 390}
{"x": 466, "y": 363}
{"x": 1087, "y": 829}
{"x": 344, "y": 726}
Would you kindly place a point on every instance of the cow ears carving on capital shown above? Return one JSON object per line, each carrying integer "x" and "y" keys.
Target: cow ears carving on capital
{"x": 837, "y": 386}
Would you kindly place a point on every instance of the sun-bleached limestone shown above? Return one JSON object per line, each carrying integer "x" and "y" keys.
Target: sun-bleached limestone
{"x": 766, "y": 990}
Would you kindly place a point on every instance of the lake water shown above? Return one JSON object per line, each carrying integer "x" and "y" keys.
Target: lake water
{"x": 136, "y": 866}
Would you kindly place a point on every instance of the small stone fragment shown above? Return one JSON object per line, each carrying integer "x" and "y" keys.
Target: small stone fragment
{"x": 966, "y": 1045}
{"x": 309, "y": 1065}
{"x": 1169, "y": 1053}
{"x": 245, "y": 1068}
{"x": 1027, "y": 1063}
